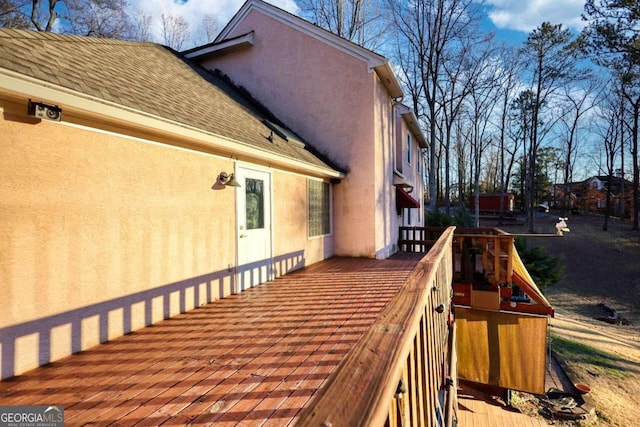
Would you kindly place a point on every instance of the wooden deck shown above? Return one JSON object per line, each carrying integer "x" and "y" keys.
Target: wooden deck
{"x": 256, "y": 358}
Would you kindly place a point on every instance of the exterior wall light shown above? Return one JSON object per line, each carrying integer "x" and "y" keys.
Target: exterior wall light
{"x": 399, "y": 182}
{"x": 44, "y": 111}
{"x": 228, "y": 180}
{"x": 407, "y": 187}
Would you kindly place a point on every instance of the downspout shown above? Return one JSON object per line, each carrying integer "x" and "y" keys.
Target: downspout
{"x": 394, "y": 144}
{"x": 451, "y": 385}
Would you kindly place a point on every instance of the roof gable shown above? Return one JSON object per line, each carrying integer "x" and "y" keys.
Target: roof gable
{"x": 374, "y": 61}
{"x": 372, "y": 58}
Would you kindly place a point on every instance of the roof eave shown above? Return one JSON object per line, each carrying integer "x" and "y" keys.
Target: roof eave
{"x": 15, "y": 83}
{"x": 389, "y": 80}
{"x": 224, "y": 47}
{"x": 411, "y": 120}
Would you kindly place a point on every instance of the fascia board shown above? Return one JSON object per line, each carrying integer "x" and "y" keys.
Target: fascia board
{"x": 411, "y": 120}
{"x": 389, "y": 80}
{"x": 226, "y": 46}
{"x": 11, "y": 82}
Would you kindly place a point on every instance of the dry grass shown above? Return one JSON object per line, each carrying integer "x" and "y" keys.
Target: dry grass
{"x": 599, "y": 267}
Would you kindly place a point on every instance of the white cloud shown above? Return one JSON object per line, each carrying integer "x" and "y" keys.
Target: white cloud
{"x": 194, "y": 10}
{"x": 526, "y": 15}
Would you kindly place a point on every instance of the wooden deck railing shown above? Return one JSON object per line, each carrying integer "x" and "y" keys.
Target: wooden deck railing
{"x": 403, "y": 371}
{"x": 418, "y": 239}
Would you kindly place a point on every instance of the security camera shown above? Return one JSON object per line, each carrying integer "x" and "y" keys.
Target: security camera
{"x": 44, "y": 111}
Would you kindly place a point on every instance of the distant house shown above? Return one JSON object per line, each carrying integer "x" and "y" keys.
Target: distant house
{"x": 346, "y": 101}
{"x": 138, "y": 183}
{"x": 590, "y": 195}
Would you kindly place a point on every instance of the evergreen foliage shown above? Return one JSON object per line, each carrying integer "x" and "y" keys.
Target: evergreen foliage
{"x": 437, "y": 218}
{"x": 544, "y": 269}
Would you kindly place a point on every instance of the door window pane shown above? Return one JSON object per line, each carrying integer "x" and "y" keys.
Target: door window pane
{"x": 254, "y": 203}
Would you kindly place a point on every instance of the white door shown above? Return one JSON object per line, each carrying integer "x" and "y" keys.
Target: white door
{"x": 254, "y": 227}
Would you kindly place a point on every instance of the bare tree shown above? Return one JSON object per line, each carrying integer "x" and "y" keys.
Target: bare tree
{"x": 610, "y": 115}
{"x": 359, "y": 21}
{"x": 522, "y": 107}
{"x": 508, "y": 83}
{"x": 175, "y": 30}
{"x": 460, "y": 148}
{"x": 428, "y": 33}
{"x": 44, "y": 14}
{"x": 613, "y": 37}
{"x": 578, "y": 103}
{"x": 631, "y": 93}
{"x": 551, "y": 61}
{"x": 142, "y": 24}
{"x": 482, "y": 101}
{"x": 463, "y": 69}
{"x": 12, "y": 15}
{"x": 207, "y": 30}
{"x": 98, "y": 18}
{"x": 512, "y": 147}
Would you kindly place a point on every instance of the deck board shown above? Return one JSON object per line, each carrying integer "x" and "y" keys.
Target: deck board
{"x": 255, "y": 357}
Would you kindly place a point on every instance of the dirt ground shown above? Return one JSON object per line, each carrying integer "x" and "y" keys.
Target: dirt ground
{"x": 599, "y": 267}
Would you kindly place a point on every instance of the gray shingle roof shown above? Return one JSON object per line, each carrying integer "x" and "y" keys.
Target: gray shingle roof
{"x": 149, "y": 78}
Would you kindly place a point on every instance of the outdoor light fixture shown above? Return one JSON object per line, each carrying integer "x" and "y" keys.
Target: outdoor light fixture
{"x": 227, "y": 179}
{"x": 408, "y": 188}
{"x": 44, "y": 111}
{"x": 400, "y": 182}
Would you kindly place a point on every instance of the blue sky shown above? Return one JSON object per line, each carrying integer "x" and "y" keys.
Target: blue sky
{"x": 512, "y": 19}
{"x": 194, "y": 10}
{"x": 525, "y": 15}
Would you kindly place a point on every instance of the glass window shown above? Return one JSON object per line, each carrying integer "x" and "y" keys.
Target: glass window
{"x": 409, "y": 148}
{"x": 319, "y": 208}
{"x": 254, "y": 203}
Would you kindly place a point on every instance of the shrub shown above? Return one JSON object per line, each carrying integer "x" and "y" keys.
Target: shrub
{"x": 544, "y": 269}
{"x": 438, "y": 218}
